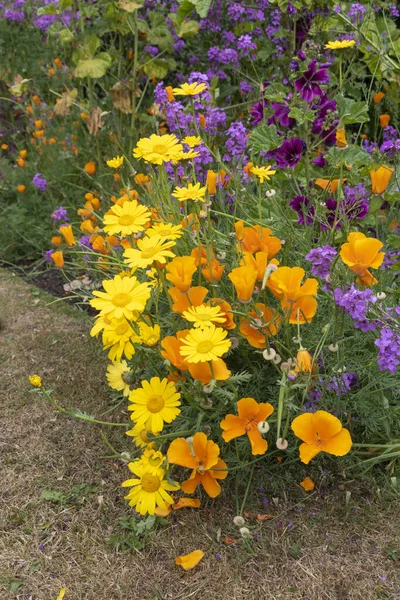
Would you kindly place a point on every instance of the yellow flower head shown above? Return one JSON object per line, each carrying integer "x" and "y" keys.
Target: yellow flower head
{"x": 158, "y": 149}
{"x": 150, "y": 335}
{"x": 192, "y": 140}
{"x": 116, "y": 162}
{"x": 192, "y": 192}
{"x": 35, "y": 380}
{"x": 340, "y": 45}
{"x": 187, "y": 155}
{"x": 119, "y": 338}
{"x": 115, "y": 376}
{"x": 124, "y": 220}
{"x": 123, "y": 297}
{"x": 139, "y": 435}
{"x": 190, "y": 89}
{"x": 165, "y": 230}
{"x": 154, "y": 404}
{"x": 149, "y": 489}
{"x": 203, "y": 315}
{"x": 205, "y": 344}
{"x": 151, "y": 249}
{"x": 151, "y": 460}
{"x": 263, "y": 172}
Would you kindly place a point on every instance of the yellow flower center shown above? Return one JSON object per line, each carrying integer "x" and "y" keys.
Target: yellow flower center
{"x": 204, "y": 347}
{"x": 149, "y": 252}
{"x": 155, "y": 404}
{"x": 150, "y": 483}
{"x": 121, "y": 328}
{"x": 155, "y": 461}
{"x": 121, "y": 300}
{"x": 160, "y": 149}
{"x": 203, "y": 316}
{"x": 143, "y": 436}
{"x": 126, "y": 220}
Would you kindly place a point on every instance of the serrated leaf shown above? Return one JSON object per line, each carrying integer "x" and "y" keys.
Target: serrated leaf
{"x": 351, "y": 111}
{"x": 264, "y": 137}
{"x": 53, "y": 496}
{"x": 93, "y": 68}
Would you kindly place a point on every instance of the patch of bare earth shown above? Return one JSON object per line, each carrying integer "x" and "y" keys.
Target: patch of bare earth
{"x": 314, "y": 548}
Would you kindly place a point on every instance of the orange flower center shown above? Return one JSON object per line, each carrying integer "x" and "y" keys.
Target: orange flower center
{"x": 150, "y": 483}
{"x": 126, "y": 220}
{"x": 204, "y": 347}
{"x": 250, "y": 424}
{"x": 121, "y": 300}
{"x": 155, "y": 404}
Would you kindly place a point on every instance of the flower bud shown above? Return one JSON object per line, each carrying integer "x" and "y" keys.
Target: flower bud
{"x": 381, "y": 295}
{"x": 263, "y": 427}
{"x": 281, "y": 444}
{"x": 239, "y": 521}
{"x": 245, "y": 532}
{"x": 333, "y": 347}
{"x": 269, "y": 354}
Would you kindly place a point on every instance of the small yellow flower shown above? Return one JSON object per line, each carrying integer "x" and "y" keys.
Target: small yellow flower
{"x": 263, "y": 173}
{"x": 192, "y": 140}
{"x": 204, "y": 316}
{"x": 165, "y": 230}
{"x": 192, "y": 192}
{"x": 203, "y": 345}
{"x": 116, "y": 162}
{"x": 35, "y": 380}
{"x": 187, "y": 155}
{"x": 149, "y": 250}
{"x": 190, "y": 89}
{"x": 150, "y": 335}
{"x": 116, "y": 376}
{"x": 340, "y": 45}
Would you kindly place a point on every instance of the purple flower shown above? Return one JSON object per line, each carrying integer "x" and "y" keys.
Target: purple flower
{"x": 60, "y": 214}
{"x": 356, "y": 303}
{"x": 321, "y": 259}
{"x": 305, "y": 212}
{"x": 343, "y": 383}
{"x": 39, "y": 182}
{"x": 246, "y": 44}
{"x": 48, "y": 254}
{"x": 152, "y": 50}
{"x": 389, "y": 350}
{"x": 308, "y": 83}
{"x": 257, "y": 112}
{"x": 357, "y": 11}
{"x": 236, "y": 140}
{"x": 281, "y": 114}
{"x": 289, "y": 154}
{"x": 245, "y": 87}
{"x": 14, "y": 16}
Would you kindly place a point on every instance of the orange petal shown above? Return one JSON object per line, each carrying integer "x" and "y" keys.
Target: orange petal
{"x": 258, "y": 444}
{"x": 308, "y": 452}
{"x": 186, "y": 503}
{"x": 325, "y": 425}
{"x": 189, "y": 561}
{"x": 307, "y": 484}
{"x": 339, "y": 445}
{"x": 179, "y": 454}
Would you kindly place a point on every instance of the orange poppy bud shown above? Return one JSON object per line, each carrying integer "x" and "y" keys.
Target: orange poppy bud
{"x": 202, "y": 121}
{"x": 141, "y": 179}
{"x": 23, "y": 153}
{"x": 58, "y": 62}
{"x": 341, "y": 141}
{"x": 58, "y": 259}
{"x": 180, "y": 272}
{"x": 117, "y": 177}
{"x": 247, "y": 168}
{"x": 36, "y": 99}
{"x": 303, "y": 361}
{"x": 95, "y": 202}
{"x": 84, "y": 116}
{"x": 56, "y": 240}
{"x": 21, "y": 189}
{"x": 4, "y": 146}
{"x": 90, "y": 168}
{"x": 211, "y": 181}
{"x": 384, "y": 120}
{"x": 244, "y": 280}
{"x": 170, "y": 93}
{"x": 378, "y": 97}
{"x": 20, "y": 162}
{"x": 87, "y": 226}
{"x": 66, "y": 231}
{"x": 38, "y": 134}
{"x": 130, "y": 54}
{"x": 52, "y": 141}
{"x": 380, "y": 179}
{"x": 38, "y": 124}
{"x": 50, "y": 72}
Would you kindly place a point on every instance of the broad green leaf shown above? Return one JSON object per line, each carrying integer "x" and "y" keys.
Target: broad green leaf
{"x": 66, "y": 37}
{"x": 184, "y": 10}
{"x": 202, "y": 7}
{"x": 129, "y": 6}
{"x": 351, "y": 111}
{"x": 64, "y": 4}
{"x": 264, "y": 137}
{"x": 92, "y": 44}
{"x": 50, "y": 9}
{"x": 159, "y": 68}
{"x": 189, "y": 29}
{"x": 93, "y": 68}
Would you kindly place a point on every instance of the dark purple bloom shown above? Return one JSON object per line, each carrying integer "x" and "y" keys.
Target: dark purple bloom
{"x": 281, "y": 114}
{"x": 305, "y": 212}
{"x": 39, "y": 182}
{"x": 309, "y": 83}
{"x": 321, "y": 259}
{"x": 289, "y": 154}
{"x": 257, "y": 112}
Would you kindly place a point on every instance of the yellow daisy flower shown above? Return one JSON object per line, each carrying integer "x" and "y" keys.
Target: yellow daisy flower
{"x": 115, "y": 376}
{"x": 120, "y": 337}
{"x": 149, "y": 489}
{"x": 153, "y": 276}
{"x": 100, "y": 323}
{"x": 150, "y": 335}
{"x": 116, "y": 162}
{"x": 35, "y": 380}
{"x": 165, "y": 230}
{"x": 204, "y": 345}
{"x": 154, "y": 403}
{"x": 158, "y": 149}
{"x": 203, "y": 315}
{"x": 192, "y": 192}
{"x": 263, "y": 173}
{"x": 192, "y": 140}
{"x": 151, "y": 460}
{"x": 190, "y": 89}
{"x": 151, "y": 249}
{"x": 123, "y": 296}
{"x": 340, "y": 45}
{"x": 139, "y": 435}
{"x": 124, "y": 220}
{"x": 187, "y": 155}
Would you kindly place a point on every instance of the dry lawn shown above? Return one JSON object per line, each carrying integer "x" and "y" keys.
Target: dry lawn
{"x": 315, "y": 547}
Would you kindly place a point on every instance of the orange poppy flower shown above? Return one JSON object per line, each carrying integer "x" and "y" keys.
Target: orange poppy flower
{"x": 300, "y": 312}
{"x": 202, "y": 371}
{"x": 56, "y": 240}
{"x": 21, "y": 189}
{"x": 269, "y": 323}
{"x": 226, "y": 310}
{"x": 180, "y": 272}
{"x": 193, "y": 297}
{"x": 38, "y": 125}
{"x": 36, "y": 99}
{"x": 250, "y": 414}
{"x": 66, "y": 231}
{"x": 213, "y": 271}
{"x": 58, "y": 259}
{"x": 256, "y": 239}
{"x": 303, "y": 361}
{"x": 87, "y": 226}
{"x": 200, "y": 455}
{"x": 320, "y": 432}
{"x": 341, "y": 141}
{"x": 330, "y": 185}
{"x": 244, "y": 279}
{"x": 378, "y": 97}
{"x": 20, "y": 162}
{"x": 247, "y": 168}
{"x": 99, "y": 244}
{"x": 202, "y": 121}
{"x": 258, "y": 262}
{"x": 297, "y": 298}
{"x": 38, "y": 134}
{"x": 202, "y": 255}
{"x": 189, "y": 561}
{"x": 360, "y": 253}
{"x": 23, "y": 154}
{"x": 380, "y": 179}
{"x": 58, "y": 62}
{"x": 171, "y": 349}
{"x": 366, "y": 280}
{"x": 211, "y": 182}
{"x": 90, "y": 167}
{"x": 141, "y": 179}
{"x": 186, "y": 503}
{"x": 170, "y": 93}
{"x": 384, "y": 120}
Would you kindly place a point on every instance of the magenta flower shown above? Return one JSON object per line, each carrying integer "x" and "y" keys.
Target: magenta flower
{"x": 289, "y": 154}
{"x": 309, "y": 83}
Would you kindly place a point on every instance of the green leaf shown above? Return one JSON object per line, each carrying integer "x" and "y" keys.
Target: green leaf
{"x": 53, "y": 496}
{"x": 93, "y": 68}
{"x": 264, "y": 137}
{"x": 159, "y": 68}
{"x": 92, "y": 44}
{"x": 64, "y": 4}
{"x": 184, "y": 10}
{"x": 159, "y": 34}
{"x": 66, "y": 37}
{"x": 50, "y": 9}
{"x": 351, "y": 111}
{"x": 202, "y": 7}
{"x": 188, "y": 29}
{"x": 129, "y": 6}
{"x": 295, "y": 551}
